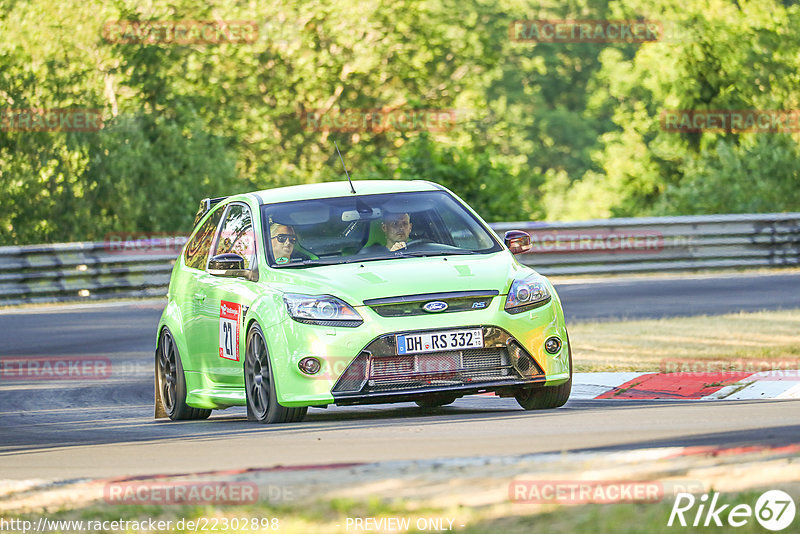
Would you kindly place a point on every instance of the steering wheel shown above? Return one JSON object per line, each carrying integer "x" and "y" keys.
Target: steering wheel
{"x": 418, "y": 242}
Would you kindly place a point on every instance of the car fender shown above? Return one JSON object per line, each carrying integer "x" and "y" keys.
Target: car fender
{"x": 271, "y": 314}
{"x": 268, "y": 309}
{"x": 561, "y": 323}
{"x": 555, "y": 299}
{"x": 171, "y": 317}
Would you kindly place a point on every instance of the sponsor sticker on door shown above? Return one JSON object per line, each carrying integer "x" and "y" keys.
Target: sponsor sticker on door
{"x": 230, "y": 317}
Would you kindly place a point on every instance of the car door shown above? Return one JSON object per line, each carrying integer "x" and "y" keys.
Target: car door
{"x": 193, "y": 291}
{"x": 228, "y": 298}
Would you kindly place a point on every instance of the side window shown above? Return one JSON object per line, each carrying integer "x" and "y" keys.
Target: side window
{"x": 196, "y": 255}
{"x": 237, "y": 235}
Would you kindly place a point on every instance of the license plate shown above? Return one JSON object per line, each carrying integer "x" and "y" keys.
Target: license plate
{"x": 436, "y": 341}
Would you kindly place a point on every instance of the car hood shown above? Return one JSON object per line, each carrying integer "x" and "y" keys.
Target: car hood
{"x": 356, "y": 282}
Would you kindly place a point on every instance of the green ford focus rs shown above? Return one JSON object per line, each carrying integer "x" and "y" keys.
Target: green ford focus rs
{"x": 383, "y": 291}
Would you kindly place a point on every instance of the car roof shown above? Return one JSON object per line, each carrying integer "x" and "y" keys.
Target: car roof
{"x": 342, "y": 189}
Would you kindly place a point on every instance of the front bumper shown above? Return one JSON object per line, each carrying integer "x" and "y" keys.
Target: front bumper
{"x": 379, "y": 373}
{"x": 505, "y": 388}
{"x": 360, "y": 365}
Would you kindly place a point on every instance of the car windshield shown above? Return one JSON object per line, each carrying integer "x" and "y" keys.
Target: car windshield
{"x": 372, "y": 227}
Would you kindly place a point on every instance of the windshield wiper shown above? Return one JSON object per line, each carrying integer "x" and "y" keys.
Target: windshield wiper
{"x": 324, "y": 261}
{"x": 396, "y": 254}
{"x": 311, "y": 263}
{"x": 423, "y": 253}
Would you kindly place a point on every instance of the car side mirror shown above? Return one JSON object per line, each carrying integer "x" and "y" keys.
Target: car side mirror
{"x": 230, "y": 265}
{"x": 517, "y": 241}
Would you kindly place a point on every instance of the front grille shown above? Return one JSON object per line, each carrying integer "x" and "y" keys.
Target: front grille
{"x": 409, "y": 305}
{"x": 393, "y": 365}
{"x": 449, "y": 363}
{"x": 379, "y": 369}
{"x": 486, "y": 358}
{"x": 438, "y": 369}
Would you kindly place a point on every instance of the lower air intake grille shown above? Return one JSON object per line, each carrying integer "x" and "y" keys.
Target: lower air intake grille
{"x": 477, "y": 358}
{"x": 449, "y": 368}
{"x": 355, "y": 375}
{"x": 380, "y": 369}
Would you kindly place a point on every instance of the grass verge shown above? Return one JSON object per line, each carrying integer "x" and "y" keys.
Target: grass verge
{"x": 644, "y": 345}
{"x": 340, "y": 515}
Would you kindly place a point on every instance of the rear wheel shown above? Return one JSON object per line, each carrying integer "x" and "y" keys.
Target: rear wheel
{"x": 434, "y": 401}
{"x": 262, "y": 400}
{"x": 546, "y": 398}
{"x": 171, "y": 382}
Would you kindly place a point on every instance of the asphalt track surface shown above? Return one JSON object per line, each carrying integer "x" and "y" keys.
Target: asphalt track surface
{"x": 104, "y": 428}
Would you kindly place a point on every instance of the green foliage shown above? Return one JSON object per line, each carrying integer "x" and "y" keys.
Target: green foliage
{"x": 146, "y": 170}
{"x": 760, "y": 175}
{"x": 544, "y": 130}
{"x": 726, "y": 56}
{"x": 478, "y": 179}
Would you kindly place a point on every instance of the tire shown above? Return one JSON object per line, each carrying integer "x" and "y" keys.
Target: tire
{"x": 547, "y": 398}
{"x": 262, "y": 400}
{"x": 434, "y": 401}
{"x": 171, "y": 382}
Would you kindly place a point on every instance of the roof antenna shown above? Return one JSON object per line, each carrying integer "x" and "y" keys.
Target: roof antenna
{"x": 353, "y": 189}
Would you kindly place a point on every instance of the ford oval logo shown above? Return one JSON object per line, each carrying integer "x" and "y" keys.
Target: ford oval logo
{"x": 435, "y": 306}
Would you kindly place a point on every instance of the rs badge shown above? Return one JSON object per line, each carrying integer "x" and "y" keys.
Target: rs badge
{"x": 230, "y": 317}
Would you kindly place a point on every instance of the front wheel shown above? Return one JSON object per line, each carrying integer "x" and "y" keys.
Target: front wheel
{"x": 262, "y": 400}
{"x": 546, "y": 398}
{"x": 171, "y": 382}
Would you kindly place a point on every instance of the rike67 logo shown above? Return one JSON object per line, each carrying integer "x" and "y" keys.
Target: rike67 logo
{"x": 774, "y": 510}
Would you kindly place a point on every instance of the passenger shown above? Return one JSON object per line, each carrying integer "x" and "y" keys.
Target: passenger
{"x": 283, "y": 240}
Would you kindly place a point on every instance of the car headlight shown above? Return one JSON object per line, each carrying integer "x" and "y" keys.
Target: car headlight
{"x": 526, "y": 293}
{"x": 325, "y": 310}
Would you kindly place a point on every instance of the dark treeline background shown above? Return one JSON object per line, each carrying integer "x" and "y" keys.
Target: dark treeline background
{"x": 544, "y": 131}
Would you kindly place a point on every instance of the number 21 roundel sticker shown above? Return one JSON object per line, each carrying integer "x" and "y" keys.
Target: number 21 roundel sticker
{"x": 230, "y": 317}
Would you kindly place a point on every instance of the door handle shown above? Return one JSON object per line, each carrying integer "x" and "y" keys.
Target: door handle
{"x": 201, "y": 297}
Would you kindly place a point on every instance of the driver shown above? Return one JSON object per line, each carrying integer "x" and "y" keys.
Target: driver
{"x": 283, "y": 238}
{"x": 397, "y": 227}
